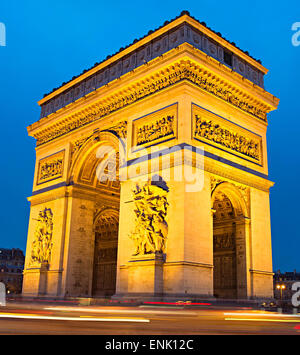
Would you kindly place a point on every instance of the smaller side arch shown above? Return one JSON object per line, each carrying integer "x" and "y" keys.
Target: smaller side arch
{"x": 106, "y": 211}
{"x": 231, "y": 244}
{"x": 235, "y": 196}
{"x": 88, "y": 152}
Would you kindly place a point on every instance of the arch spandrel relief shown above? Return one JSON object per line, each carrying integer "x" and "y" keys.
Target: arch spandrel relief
{"x": 113, "y": 135}
{"x": 240, "y": 193}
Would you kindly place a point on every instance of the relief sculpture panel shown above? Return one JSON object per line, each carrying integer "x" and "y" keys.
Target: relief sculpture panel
{"x": 42, "y": 243}
{"x": 51, "y": 168}
{"x": 151, "y": 228}
{"x": 226, "y": 135}
{"x": 156, "y": 127}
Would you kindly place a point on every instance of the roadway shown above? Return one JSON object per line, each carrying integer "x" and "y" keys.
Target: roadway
{"x": 63, "y": 319}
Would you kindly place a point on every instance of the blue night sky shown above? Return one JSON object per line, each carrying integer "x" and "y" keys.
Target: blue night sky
{"x": 48, "y": 42}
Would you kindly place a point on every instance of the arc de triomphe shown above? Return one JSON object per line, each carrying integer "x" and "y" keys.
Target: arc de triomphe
{"x": 151, "y": 176}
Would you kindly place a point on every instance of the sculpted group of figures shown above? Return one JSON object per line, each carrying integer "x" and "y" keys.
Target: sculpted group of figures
{"x": 234, "y": 141}
{"x": 42, "y": 244}
{"x": 151, "y": 228}
{"x": 51, "y": 169}
{"x": 159, "y": 129}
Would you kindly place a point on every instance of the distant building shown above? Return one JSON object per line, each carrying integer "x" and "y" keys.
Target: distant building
{"x": 11, "y": 269}
{"x": 286, "y": 280}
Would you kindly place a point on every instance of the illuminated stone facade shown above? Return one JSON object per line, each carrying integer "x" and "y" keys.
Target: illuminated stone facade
{"x": 113, "y": 212}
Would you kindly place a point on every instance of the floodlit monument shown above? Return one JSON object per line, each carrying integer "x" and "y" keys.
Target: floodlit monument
{"x": 151, "y": 176}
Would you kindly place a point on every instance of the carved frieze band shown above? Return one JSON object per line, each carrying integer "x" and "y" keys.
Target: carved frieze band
{"x": 155, "y": 127}
{"x": 179, "y": 72}
{"x": 185, "y": 33}
{"x": 226, "y": 135}
{"x": 51, "y": 167}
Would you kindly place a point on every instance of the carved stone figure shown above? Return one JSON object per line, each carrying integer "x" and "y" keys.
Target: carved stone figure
{"x": 42, "y": 244}
{"x": 151, "y": 228}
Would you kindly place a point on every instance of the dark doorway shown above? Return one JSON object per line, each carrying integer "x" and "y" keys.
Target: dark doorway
{"x": 105, "y": 259}
{"x": 225, "y": 261}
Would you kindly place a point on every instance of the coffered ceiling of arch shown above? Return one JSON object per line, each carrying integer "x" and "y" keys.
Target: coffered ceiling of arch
{"x": 101, "y": 173}
{"x": 244, "y": 190}
{"x": 107, "y": 226}
{"x": 223, "y": 208}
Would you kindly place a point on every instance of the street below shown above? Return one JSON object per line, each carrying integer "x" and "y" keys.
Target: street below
{"x": 69, "y": 319}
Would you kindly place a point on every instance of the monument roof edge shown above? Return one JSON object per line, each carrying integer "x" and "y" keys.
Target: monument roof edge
{"x": 152, "y": 34}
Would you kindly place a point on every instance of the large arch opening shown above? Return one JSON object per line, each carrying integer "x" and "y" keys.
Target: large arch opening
{"x": 229, "y": 243}
{"x": 95, "y": 172}
{"x": 225, "y": 263}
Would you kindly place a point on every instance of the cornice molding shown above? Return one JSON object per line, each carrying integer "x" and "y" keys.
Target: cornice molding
{"x": 191, "y": 33}
{"x": 184, "y": 69}
{"x": 209, "y": 165}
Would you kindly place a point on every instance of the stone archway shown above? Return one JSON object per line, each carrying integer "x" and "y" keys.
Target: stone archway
{"x": 229, "y": 242}
{"x": 95, "y": 172}
{"x": 90, "y": 158}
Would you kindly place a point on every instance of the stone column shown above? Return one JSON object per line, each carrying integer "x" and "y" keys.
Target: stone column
{"x": 45, "y": 279}
{"x": 79, "y": 244}
{"x": 261, "y": 251}
{"x": 139, "y": 276}
{"x": 243, "y": 257}
{"x": 35, "y": 281}
{"x": 125, "y": 245}
{"x": 145, "y": 276}
{"x": 188, "y": 264}
{"x": 188, "y": 271}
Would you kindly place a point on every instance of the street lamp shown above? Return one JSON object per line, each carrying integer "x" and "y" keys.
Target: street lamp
{"x": 281, "y": 288}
